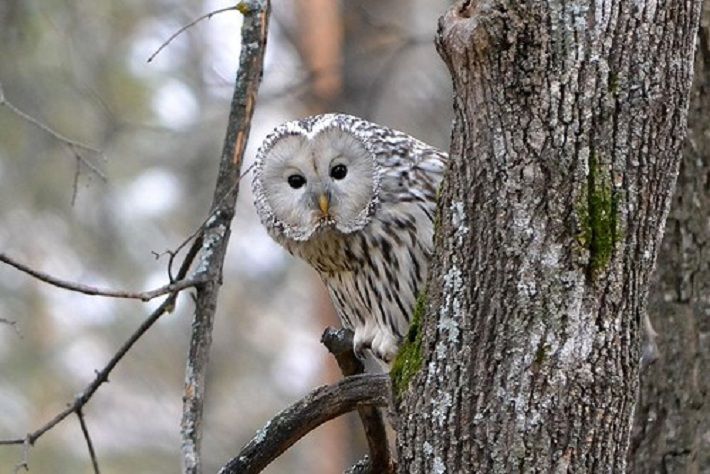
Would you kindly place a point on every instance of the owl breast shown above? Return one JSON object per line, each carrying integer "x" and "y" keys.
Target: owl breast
{"x": 374, "y": 276}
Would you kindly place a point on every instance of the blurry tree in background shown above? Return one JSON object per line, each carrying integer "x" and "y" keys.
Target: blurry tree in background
{"x": 672, "y": 426}
{"x": 80, "y": 67}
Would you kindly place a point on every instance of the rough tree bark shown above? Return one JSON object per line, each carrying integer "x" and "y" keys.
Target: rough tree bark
{"x": 672, "y": 427}
{"x": 216, "y": 230}
{"x": 569, "y": 122}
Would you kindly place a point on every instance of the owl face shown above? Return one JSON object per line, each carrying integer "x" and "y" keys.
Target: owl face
{"x": 318, "y": 179}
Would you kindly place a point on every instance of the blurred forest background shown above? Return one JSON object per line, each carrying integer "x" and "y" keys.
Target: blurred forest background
{"x": 80, "y": 67}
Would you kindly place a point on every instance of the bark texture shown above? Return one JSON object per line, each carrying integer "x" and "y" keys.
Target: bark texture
{"x": 672, "y": 427}
{"x": 217, "y": 229}
{"x": 568, "y": 129}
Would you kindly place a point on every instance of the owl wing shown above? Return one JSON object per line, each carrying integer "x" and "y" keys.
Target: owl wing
{"x": 407, "y": 166}
{"x": 411, "y": 170}
{"x": 400, "y": 236}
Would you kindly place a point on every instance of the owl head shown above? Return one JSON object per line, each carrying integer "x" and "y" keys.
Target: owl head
{"x": 315, "y": 175}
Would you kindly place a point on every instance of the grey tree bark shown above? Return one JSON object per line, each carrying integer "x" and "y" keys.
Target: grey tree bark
{"x": 567, "y": 136}
{"x": 672, "y": 426}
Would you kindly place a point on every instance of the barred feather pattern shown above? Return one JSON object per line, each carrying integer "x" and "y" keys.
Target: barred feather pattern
{"x": 376, "y": 267}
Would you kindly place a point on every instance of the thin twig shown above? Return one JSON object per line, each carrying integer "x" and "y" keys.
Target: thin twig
{"x": 88, "y": 163}
{"x": 75, "y": 182}
{"x": 173, "y": 253}
{"x": 217, "y": 229}
{"x": 102, "y": 376}
{"x": 24, "y": 462}
{"x": 91, "y": 290}
{"x": 12, "y": 323}
{"x": 72, "y": 144}
{"x": 206, "y": 16}
{"x": 321, "y": 405}
{"x": 87, "y": 438}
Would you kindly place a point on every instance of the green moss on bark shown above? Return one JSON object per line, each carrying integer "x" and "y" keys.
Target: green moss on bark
{"x": 409, "y": 359}
{"x": 613, "y": 81}
{"x": 598, "y": 215}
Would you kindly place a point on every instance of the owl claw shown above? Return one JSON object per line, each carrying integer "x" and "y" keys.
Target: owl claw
{"x": 385, "y": 347}
{"x": 360, "y": 348}
{"x": 385, "y": 357}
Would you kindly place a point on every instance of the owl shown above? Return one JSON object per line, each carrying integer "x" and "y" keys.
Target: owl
{"x": 356, "y": 201}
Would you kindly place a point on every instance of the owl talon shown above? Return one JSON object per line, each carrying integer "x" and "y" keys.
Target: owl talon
{"x": 385, "y": 346}
{"x": 387, "y": 358}
{"x": 360, "y": 348}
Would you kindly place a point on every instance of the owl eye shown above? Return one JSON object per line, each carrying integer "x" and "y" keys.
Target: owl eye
{"x": 338, "y": 172}
{"x": 296, "y": 181}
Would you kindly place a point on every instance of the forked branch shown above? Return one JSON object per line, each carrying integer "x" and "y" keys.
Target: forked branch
{"x": 340, "y": 344}
{"x": 174, "y": 287}
{"x": 102, "y": 376}
{"x": 239, "y": 7}
{"x": 73, "y": 145}
{"x": 217, "y": 228}
{"x": 321, "y": 405}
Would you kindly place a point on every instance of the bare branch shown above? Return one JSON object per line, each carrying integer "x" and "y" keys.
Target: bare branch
{"x": 87, "y": 438}
{"x": 216, "y": 230}
{"x": 321, "y": 405}
{"x": 340, "y": 344}
{"x": 12, "y": 323}
{"x": 201, "y": 228}
{"x": 24, "y": 462}
{"x": 90, "y": 290}
{"x": 102, "y": 375}
{"x": 206, "y": 16}
{"x": 73, "y": 145}
{"x": 75, "y": 182}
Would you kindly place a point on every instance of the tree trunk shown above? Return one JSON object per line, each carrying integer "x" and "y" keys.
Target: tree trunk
{"x": 569, "y": 122}
{"x": 672, "y": 428}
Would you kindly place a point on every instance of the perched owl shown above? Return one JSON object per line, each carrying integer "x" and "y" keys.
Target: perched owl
{"x": 355, "y": 200}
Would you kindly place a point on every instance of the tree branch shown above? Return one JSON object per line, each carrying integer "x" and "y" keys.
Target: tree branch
{"x": 91, "y": 290}
{"x": 73, "y": 145}
{"x": 12, "y": 323}
{"x": 24, "y": 462}
{"x": 87, "y": 438}
{"x": 217, "y": 228}
{"x": 322, "y": 404}
{"x": 340, "y": 344}
{"x": 206, "y": 16}
{"x": 102, "y": 375}
{"x": 173, "y": 253}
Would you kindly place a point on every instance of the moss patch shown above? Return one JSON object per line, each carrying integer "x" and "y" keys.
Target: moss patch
{"x": 613, "y": 81}
{"x": 244, "y": 8}
{"x": 598, "y": 215}
{"x": 409, "y": 359}
{"x": 540, "y": 356}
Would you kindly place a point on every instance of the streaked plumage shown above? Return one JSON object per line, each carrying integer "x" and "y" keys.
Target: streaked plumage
{"x": 360, "y": 212}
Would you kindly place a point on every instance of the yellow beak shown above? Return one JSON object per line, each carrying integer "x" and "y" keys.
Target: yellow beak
{"x": 324, "y": 204}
